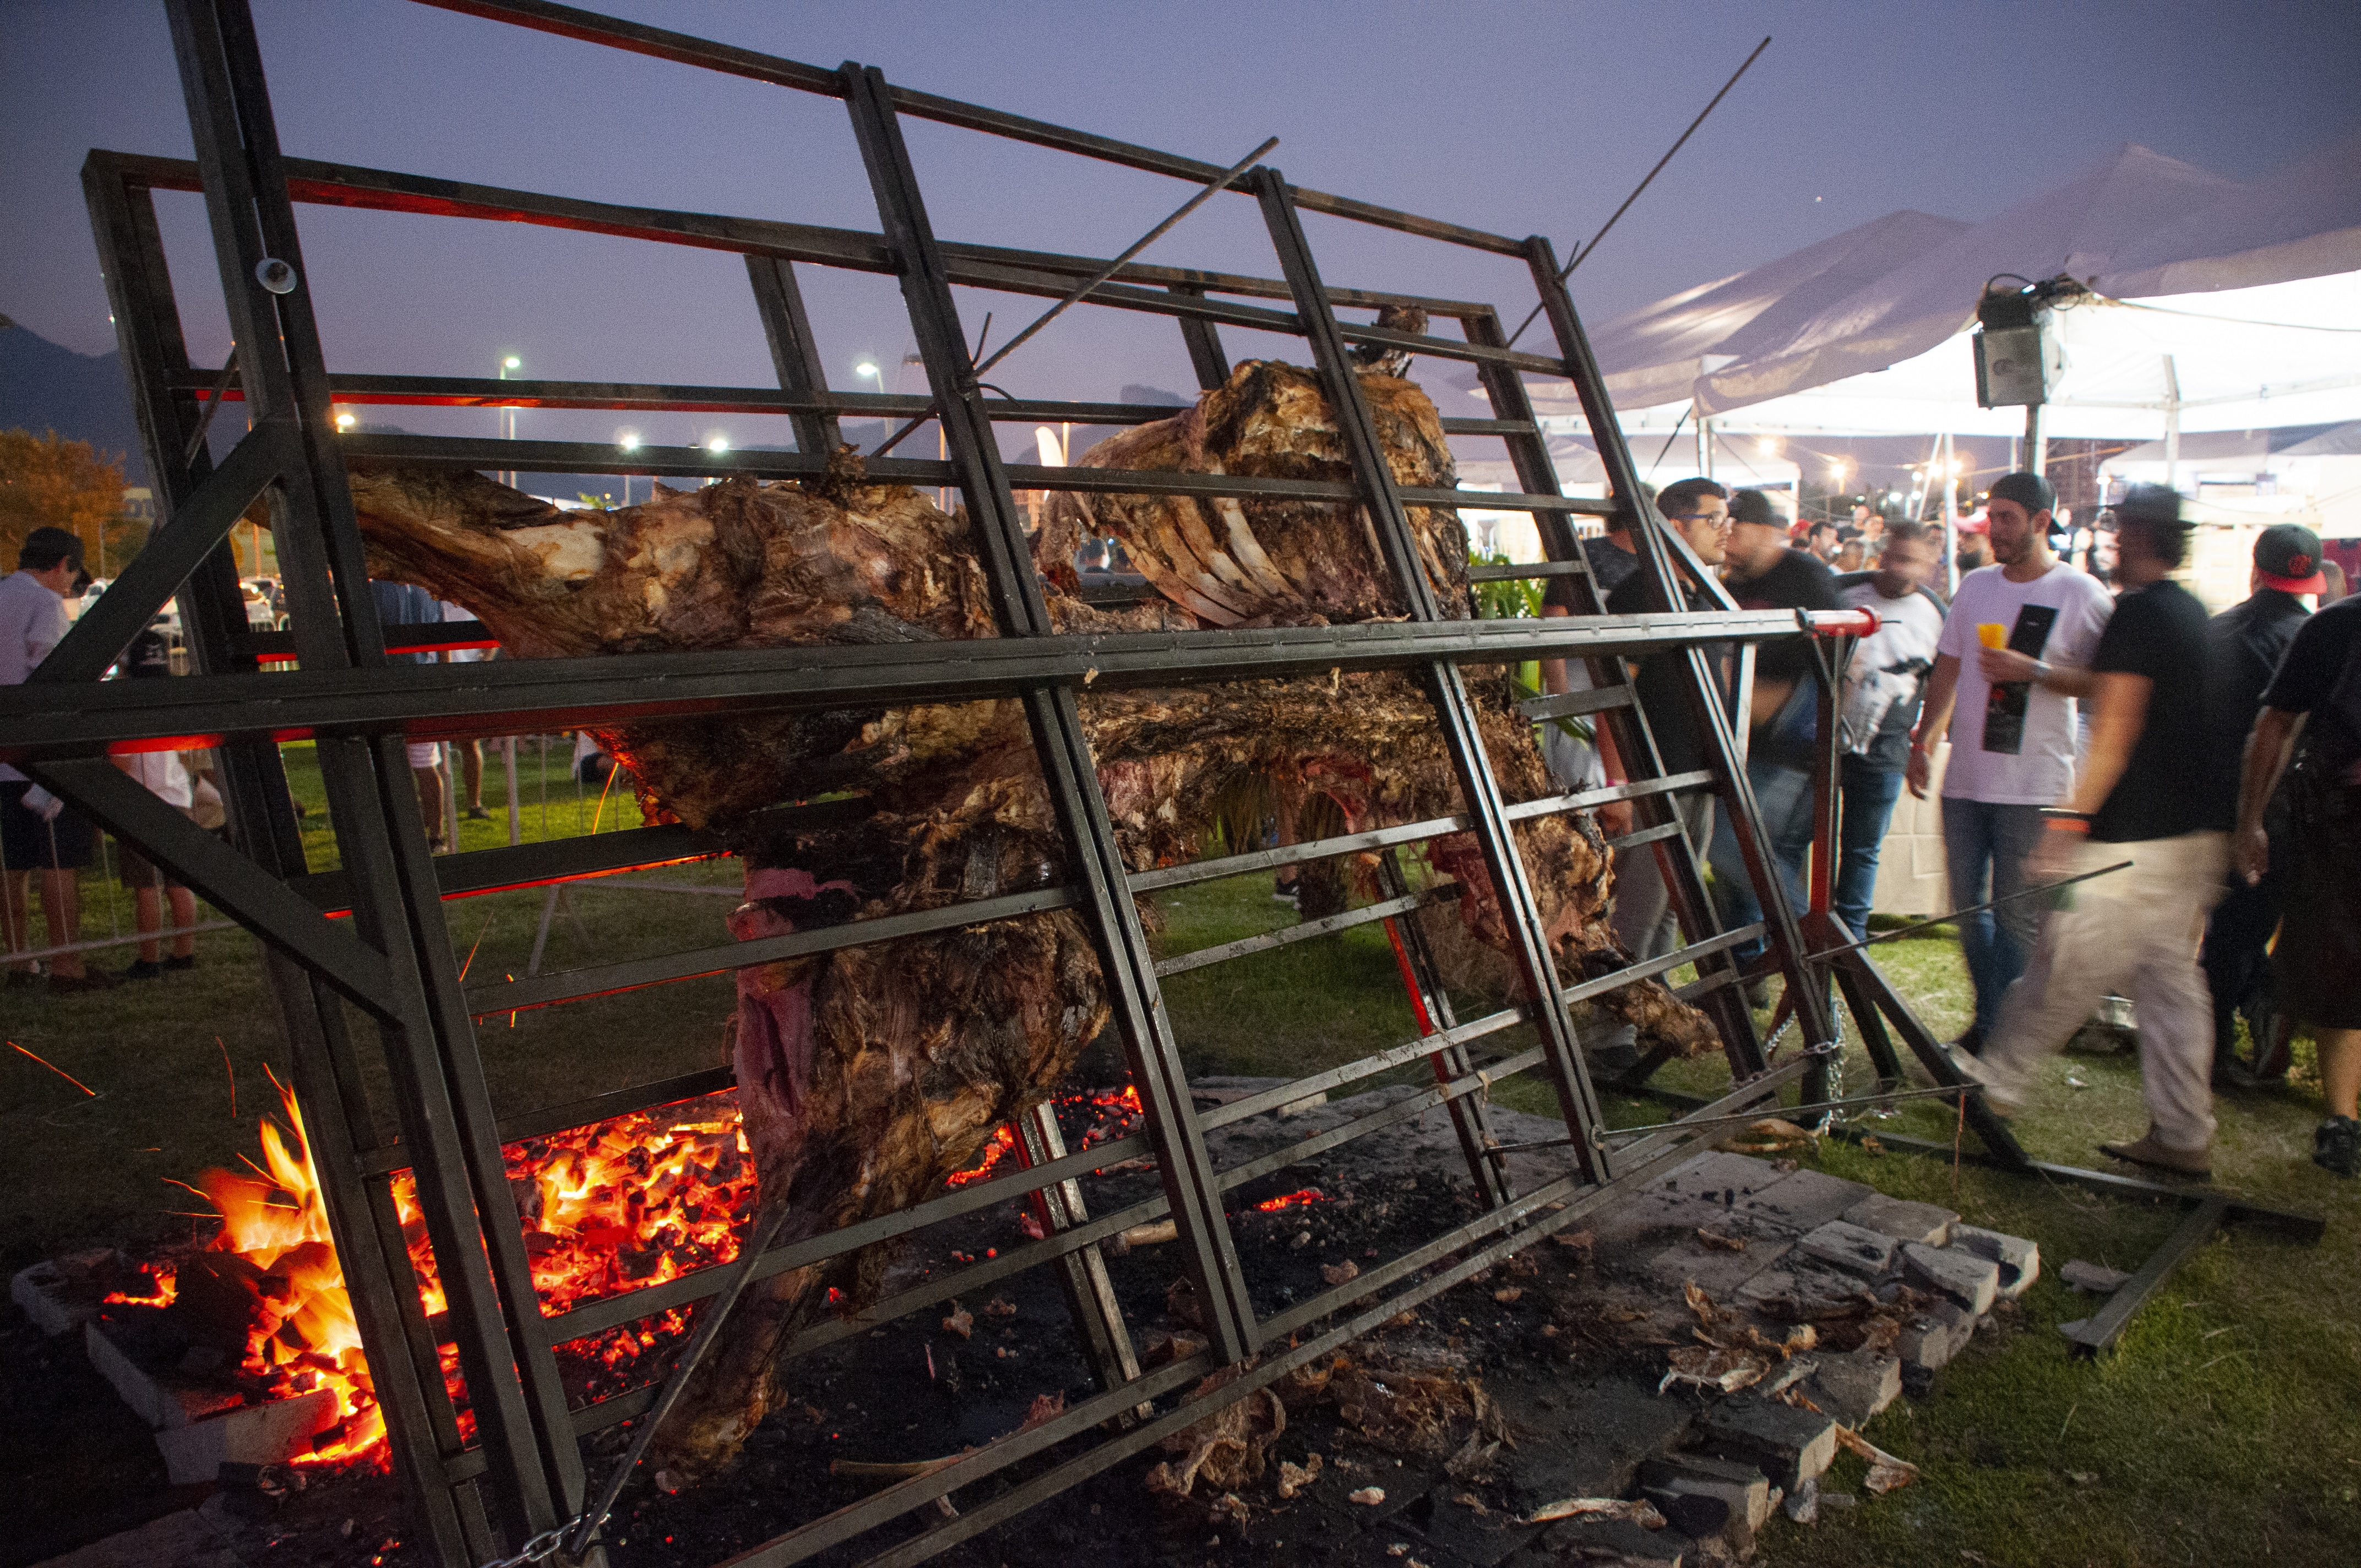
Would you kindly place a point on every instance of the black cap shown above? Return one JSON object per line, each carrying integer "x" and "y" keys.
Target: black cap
{"x": 2149, "y": 503}
{"x": 2287, "y": 558}
{"x": 2029, "y": 491}
{"x": 1753, "y": 506}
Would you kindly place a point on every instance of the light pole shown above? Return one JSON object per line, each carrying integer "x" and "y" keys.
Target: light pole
{"x": 629, "y": 440}
{"x": 507, "y": 415}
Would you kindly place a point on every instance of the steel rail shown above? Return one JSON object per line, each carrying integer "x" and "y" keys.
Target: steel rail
{"x": 1286, "y": 935}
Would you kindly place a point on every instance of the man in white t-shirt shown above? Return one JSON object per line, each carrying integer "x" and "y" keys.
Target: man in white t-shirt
{"x": 38, "y": 832}
{"x": 1883, "y": 688}
{"x": 2014, "y": 657}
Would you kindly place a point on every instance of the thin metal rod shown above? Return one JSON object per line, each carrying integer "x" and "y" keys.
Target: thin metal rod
{"x": 98, "y": 943}
{"x": 1213, "y": 189}
{"x": 212, "y": 406}
{"x": 1971, "y": 909}
{"x": 1749, "y": 1116}
{"x": 1579, "y": 256}
{"x": 708, "y": 1330}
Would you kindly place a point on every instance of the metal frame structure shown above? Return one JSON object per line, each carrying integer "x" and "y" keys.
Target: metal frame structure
{"x": 521, "y": 1473}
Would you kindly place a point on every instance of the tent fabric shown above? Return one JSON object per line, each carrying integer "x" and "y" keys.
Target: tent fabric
{"x": 2071, "y": 229}
{"x": 1652, "y": 355}
{"x": 2300, "y": 223}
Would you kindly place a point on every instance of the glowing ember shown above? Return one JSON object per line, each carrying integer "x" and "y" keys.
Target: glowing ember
{"x": 609, "y": 1209}
{"x": 1295, "y": 1199}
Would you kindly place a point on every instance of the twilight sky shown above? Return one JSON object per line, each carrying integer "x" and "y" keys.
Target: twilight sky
{"x": 1514, "y": 115}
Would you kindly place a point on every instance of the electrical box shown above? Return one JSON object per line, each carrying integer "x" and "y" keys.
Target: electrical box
{"x": 2019, "y": 358}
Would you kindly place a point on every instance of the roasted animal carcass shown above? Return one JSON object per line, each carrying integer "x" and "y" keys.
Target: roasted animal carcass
{"x": 869, "y": 1076}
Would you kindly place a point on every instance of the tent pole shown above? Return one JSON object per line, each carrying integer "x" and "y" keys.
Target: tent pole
{"x": 2172, "y": 425}
{"x": 1950, "y": 518}
{"x": 2037, "y": 444}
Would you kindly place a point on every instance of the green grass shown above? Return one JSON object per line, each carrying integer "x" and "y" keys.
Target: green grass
{"x": 2221, "y": 1432}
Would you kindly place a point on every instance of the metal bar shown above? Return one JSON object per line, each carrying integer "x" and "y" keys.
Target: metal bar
{"x": 681, "y": 48}
{"x": 1663, "y": 963}
{"x": 1568, "y": 705}
{"x": 102, "y": 944}
{"x": 1301, "y": 1089}
{"x": 1326, "y": 926}
{"x": 1203, "y": 341}
{"x": 1470, "y": 1121}
{"x": 794, "y": 352}
{"x": 1060, "y": 741}
{"x": 1883, "y": 1099}
{"x": 1090, "y": 1299}
{"x": 2096, "y": 1334}
{"x": 603, "y": 979}
{"x": 1991, "y": 1131}
{"x": 529, "y": 695}
{"x": 1639, "y": 789}
{"x": 1293, "y": 854}
{"x": 1917, "y": 925}
{"x": 1527, "y": 571}
{"x": 388, "y": 1159}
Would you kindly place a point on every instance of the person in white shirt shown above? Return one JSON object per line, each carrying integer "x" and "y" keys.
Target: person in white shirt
{"x": 37, "y": 830}
{"x": 2014, "y": 657}
{"x": 1879, "y": 708}
{"x": 163, "y": 775}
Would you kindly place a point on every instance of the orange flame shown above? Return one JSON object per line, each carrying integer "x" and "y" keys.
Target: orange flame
{"x": 1297, "y": 1198}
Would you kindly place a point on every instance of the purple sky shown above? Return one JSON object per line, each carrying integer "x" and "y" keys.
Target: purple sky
{"x": 1510, "y": 117}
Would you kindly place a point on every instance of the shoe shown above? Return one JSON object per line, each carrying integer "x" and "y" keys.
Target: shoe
{"x": 181, "y": 963}
{"x": 1970, "y": 1042}
{"x": 89, "y": 979}
{"x": 1610, "y": 1064}
{"x": 23, "y": 977}
{"x": 2148, "y": 1151}
{"x": 1758, "y": 994}
{"x": 2336, "y": 1146}
{"x": 1997, "y": 1100}
{"x": 145, "y": 969}
{"x": 477, "y": 814}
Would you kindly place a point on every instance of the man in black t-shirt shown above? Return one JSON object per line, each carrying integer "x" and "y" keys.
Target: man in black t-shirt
{"x": 2134, "y": 800}
{"x": 2317, "y": 963}
{"x": 1764, "y": 573}
{"x": 2244, "y": 645}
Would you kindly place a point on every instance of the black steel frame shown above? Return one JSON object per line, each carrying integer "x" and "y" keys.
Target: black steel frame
{"x": 524, "y": 1473}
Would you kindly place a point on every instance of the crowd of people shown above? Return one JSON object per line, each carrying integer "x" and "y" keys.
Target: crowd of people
{"x": 2136, "y": 800}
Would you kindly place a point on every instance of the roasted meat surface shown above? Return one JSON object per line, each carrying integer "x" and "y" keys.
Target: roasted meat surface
{"x": 870, "y": 1075}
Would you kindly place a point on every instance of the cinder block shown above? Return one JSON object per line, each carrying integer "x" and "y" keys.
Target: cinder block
{"x": 2019, "y": 1259}
{"x": 1903, "y": 1220}
{"x": 1740, "y": 1484}
{"x": 1845, "y": 1245}
{"x": 1787, "y": 1444}
{"x": 1855, "y": 1385}
{"x": 1717, "y": 1271}
{"x": 1800, "y": 1290}
{"x": 1973, "y": 1282}
{"x": 1930, "y": 1340}
{"x": 252, "y": 1435}
{"x": 1802, "y": 1200}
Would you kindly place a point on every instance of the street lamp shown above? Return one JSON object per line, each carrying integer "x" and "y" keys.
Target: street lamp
{"x": 629, "y": 440}
{"x": 507, "y": 415}
{"x": 344, "y": 422}
{"x": 717, "y": 445}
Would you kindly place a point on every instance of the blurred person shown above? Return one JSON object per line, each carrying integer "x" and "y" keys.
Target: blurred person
{"x": 470, "y": 752}
{"x": 1644, "y": 920}
{"x": 2013, "y": 657}
{"x": 2333, "y": 586}
{"x": 2244, "y": 646}
{"x": 1823, "y": 541}
{"x": 2312, "y": 712}
{"x": 1764, "y": 573}
{"x": 1884, "y": 687}
{"x": 38, "y": 831}
{"x": 2134, "y": 930}
{"x": 1852, "y": 551}
{"x": 1973, "y": 552}
{"x": 1612, "y": 556}
{"x": 165, "y": 776}
{"x": 406, "y": 603}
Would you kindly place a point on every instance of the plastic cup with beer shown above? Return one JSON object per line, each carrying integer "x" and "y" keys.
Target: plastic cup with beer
{"x": 1992, "y": 633}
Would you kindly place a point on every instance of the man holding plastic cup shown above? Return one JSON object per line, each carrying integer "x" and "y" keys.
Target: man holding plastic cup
{"x": 2013, "y": 658}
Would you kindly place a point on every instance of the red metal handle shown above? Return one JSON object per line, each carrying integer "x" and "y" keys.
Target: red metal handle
{"x": 1841, "y": 622}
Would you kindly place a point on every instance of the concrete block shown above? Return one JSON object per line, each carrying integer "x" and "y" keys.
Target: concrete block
{"x": 183, "y": 1540}
{"x": 2019, "y": 1259}
{"x": 252, "y": 1435}
{"x": 1845, "y": 1245}
{"x": 1856, "y": 1384}
{"x": 1718, "y": 1271}
{"x": 1973, "y": 1282}
{"x": 1802, "y": 1200}
{"x": 1930, "y": 1340}
{"x": 1741, "y": 1485}
{"x": 1616, "y": 1425}
{"x": 1717, "y": 1173}
{"x": 59, "y": 1295}
{"x": 1800, "y": 1290}
{"x": 1619, "y": 1541}
{"x": 1903, "y": 1220}
{"x": 1787, "y": 1444}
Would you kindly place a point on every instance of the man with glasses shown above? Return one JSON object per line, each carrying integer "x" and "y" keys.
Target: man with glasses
{"x": 1698, "y": 510}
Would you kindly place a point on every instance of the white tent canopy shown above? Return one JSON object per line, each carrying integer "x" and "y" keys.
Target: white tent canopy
{"x": 1865, "y": 333}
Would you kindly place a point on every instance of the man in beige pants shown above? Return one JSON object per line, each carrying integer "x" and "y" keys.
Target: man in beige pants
{"x": 2134, "y": 930}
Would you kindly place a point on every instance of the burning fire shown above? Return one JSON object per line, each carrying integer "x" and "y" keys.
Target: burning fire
{"x": 609, "y": 1208}
{"x": 1295, "y": 1199}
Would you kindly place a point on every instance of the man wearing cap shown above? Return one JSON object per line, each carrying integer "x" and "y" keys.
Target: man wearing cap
{"x": 2244, "y": 646}
{"x": 2315, "y": 698}
{"x": 2135, "y": 929}
{"x": 41, "y": 832}
{"x": 2013, "y": 658}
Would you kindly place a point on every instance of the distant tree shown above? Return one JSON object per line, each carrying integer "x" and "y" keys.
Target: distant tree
{"x": 47, "y": 481}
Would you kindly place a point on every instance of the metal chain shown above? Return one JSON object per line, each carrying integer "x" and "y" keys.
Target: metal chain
{"x": 540, "y": 1548}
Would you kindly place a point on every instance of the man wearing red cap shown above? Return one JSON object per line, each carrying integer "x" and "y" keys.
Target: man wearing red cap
{"x": 2244, "y": 645}
{"x": 2317, "y": 692}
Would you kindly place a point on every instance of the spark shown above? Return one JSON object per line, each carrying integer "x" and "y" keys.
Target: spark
{"x": 232, "y": 1078}
{"x": 53, "y": 1067}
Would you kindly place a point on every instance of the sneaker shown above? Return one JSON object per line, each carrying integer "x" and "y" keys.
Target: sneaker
{"x": 2151, "y": 1151}
{"x": 1998, "y": 1099}
{"x": 1970, "y": 1042}
{"x": 187, "y": 963}
{"x": 91, "y": 980}
{"x": 2336, "y": 1146}
{"x": 477, "y": 814}
{"x": 145, "y": 969}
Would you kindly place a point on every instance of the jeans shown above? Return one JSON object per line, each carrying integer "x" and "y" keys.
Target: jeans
{"x": 1984, "y": 845}
{"x": 1867, "y": 796}
{"x": 1644, "y": 920}
{"x": 1784, "y": 797}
